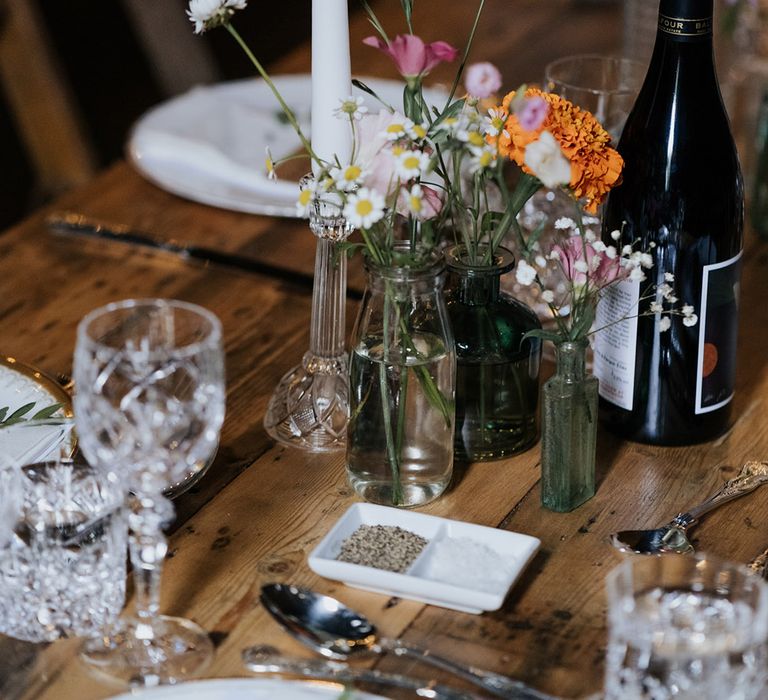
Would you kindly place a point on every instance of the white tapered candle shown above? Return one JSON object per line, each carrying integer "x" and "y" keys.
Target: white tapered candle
{"x": 331, "y": 80}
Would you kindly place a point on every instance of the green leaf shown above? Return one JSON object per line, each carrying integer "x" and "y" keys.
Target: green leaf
{"x": 542, "y": 334}
{"x": 370, "y": 91}
{"x": 3, "y": 413}
{"x": 18, "y": 414}
{"x": 46, "y": 412}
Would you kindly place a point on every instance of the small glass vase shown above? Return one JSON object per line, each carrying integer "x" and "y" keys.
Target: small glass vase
{"x": 497, "y": 377}
{"x": 569, "y": 430}
{"x": 402, "y": 386}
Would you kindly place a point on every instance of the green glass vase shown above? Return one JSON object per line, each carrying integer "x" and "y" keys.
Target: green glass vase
{"x": 569, "y": 430}
{"x": 497, "y": 378}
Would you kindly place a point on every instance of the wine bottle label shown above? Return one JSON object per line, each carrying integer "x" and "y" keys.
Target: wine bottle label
{"x": 682, "y": 27}
{"x": 614, "y": 346}
{"x": 718, "y": 319}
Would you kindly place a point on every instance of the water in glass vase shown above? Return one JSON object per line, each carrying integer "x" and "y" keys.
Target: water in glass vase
{"x": 396, "y": 397}
{"x": 498, "y": 414}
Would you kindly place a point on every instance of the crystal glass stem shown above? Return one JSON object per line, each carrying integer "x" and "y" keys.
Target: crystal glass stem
{"x": 310, "y": 406}
{"x": 148, "y": 547}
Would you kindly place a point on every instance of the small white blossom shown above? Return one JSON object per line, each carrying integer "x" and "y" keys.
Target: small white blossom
{"x": 541, "y": 261}
{"x": 564, "y": 223}
{"x": 269, "y": 164}
{"x": 666, "y": 290}
{"x": 364, "y": 208}
{"x": 351, "y": 108}
{"x": 646, "y": 260}
{"x": 637, "y": 275}
{"x": 581, "y": 266}
{"x": 651, "y": 245}
{"x": 347, "y": 178}
{"x": 599, "y": 247}
{"x": 616, "y": 234}
{"x": 494, "y": 123}
{"x": 610, "y": 252}
{"x": 207, "y": 14}
{"x": 482, "y": 159}
{"x": 525, "y": 274}
{"x": 589, "y": 236}
{"x": 656, "y": 307}
{"x": 687, "y": 310}
{"x": 398, "y": 130}
{"x": 411, "y": 164}
{"x": 626, "y": 250}
{"x": 664, "y": 324}
{"x": 690, "y": 320}
{"x": 473, "y": 138}
{"x": 548, "y": 296}
{"x": 546, "y": 160}
{"x": 554, "y": 255}
{"x": 306, "y": 194}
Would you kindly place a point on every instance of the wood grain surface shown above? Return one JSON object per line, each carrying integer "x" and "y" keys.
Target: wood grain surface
{"x": 260, "y": 509}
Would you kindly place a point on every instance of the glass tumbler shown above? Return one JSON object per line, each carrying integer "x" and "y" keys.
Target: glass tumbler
{"x": 149, "y": 404}
{"x": 63, "y": 566}
{"x": 686, "y": 627}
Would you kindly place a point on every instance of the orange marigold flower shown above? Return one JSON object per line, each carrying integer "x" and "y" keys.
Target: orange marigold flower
{"x": 595, "y": 166}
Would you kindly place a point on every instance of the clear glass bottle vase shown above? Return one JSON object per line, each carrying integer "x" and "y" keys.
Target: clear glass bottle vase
{"x": 569, "y": 430}
{"x": 497, "y": 376}
{"x": 402, "y": 386}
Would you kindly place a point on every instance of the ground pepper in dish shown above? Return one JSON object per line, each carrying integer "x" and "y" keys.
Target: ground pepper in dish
{"x": 386, "y": 547}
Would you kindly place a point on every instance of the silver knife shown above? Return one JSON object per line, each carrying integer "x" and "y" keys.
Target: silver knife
{"x": 71, "y": 224}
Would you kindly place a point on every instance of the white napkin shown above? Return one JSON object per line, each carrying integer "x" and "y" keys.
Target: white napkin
{"x": 223, "y": 139}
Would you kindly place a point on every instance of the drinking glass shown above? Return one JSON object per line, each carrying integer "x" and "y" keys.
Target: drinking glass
{"x": 686, "y": 627}
{"x": 63, "y": 568}
{"x": 149, "y": 405}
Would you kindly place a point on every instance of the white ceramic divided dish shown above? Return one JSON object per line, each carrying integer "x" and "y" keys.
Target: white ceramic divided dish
{"x": 245, "y": 689}
{"x": 513, "y": 551}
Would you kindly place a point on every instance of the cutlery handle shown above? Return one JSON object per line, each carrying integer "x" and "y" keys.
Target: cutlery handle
{"x": 752, "y": 475}
{"x": 494, "y": 683}
{"x": 257, "y": 661}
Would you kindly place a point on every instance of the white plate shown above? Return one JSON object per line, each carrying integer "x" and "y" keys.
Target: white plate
{"x": 21, "y": 384}
{"x": 513, "y": 552}
{"x": 246, "y": 689}
{"x": 209, "y": 144}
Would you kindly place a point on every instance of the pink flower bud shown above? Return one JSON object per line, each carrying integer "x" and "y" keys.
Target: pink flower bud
{"x": 482, "y": 80}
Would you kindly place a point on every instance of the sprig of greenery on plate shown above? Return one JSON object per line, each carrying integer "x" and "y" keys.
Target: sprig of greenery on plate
{"x": 20, "y": 413}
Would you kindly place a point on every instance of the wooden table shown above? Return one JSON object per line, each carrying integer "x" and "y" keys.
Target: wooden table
{"x": 253, "y": 518}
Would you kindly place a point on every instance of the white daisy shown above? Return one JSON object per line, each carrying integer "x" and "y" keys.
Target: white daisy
{"x": 411, "y": 164}
{"x": 207, "y": 14}
{"x": 306, "y": 195}
{"x": 482, "y": 159}
{"x": 347, "y": 178}
{"x": 351, "y": 108}
{"x": 398, "y": 130}
{"x": 364, "y": 208}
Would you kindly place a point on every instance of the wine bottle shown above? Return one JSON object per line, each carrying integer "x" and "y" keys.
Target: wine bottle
{"x": 682, "y": 200}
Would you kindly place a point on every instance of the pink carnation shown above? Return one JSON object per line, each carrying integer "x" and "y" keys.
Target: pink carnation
{"x": 482, "y": 80}
{"x": 411, "y": 55}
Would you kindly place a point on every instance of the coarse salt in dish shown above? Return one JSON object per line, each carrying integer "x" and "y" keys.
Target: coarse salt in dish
{"x": 463, "y": 566}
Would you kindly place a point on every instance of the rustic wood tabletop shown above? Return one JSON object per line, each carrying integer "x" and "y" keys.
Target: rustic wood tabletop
{"x": 253, "y": 518}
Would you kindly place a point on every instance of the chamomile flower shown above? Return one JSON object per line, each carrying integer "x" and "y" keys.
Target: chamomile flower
{"x": 472, "y": 137}
{"x": 482, "y": 159}
{"x": 269, "y": 164}
{"x": 351, "y": 108}
{"x": 207, "y": 14}
{"x": 418, "y": 132}
{"x": 347, "y": 178}
{"x": 306, "y": 194}
{"x": 398, "y": 130}
{"x": 411, "y": 164}
{"x": 364, "y": 208}
{"x": 495, "y": 121}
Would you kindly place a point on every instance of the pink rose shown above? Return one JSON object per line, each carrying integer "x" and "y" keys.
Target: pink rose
{"x": 411, "y": 55}
{"x": 600, "y": 270}
{"x": 482, "y": 80}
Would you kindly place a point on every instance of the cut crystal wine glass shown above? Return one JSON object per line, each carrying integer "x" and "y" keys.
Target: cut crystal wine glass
{"x": 149, "y": 406}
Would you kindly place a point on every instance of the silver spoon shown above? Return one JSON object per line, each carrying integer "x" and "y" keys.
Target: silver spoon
{"x": 327, "y": 626}
{"x": 267, "y": 659}
{"x": 673, "y": 536}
